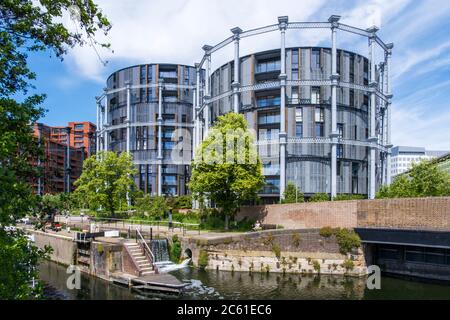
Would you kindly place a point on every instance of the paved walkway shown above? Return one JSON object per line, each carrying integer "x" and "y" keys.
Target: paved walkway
{"x": 124, "y": 227}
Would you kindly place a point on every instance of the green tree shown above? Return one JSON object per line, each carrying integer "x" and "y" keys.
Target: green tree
{"x": 154, "y": 207}
{"x": 31, "y": 26}
{"x": 28, "y": 26}
{"x": 292, "y": 194}
{"x": 106, "y": 180}
{"x": 425, "y": 179}
{"x": 227, "y": 169}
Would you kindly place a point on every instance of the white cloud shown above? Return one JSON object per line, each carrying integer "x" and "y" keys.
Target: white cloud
{"x": 154, "y": 31}
{"x": 421, "y": 120}
{"x": 162, "y": 31}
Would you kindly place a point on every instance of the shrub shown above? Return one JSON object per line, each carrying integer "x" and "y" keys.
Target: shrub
{"x": 151, "y": 207}
{"x": 269, "y": 239}
{"x": 347, "y": 240}
{"x": 327, "y": 232}
{"x": 348, "y": 265}
{"x": 292, "y": 194}
{"x": 316, "y": 265}
{"x": 319, "y": 197}
{"x": 276, "y": 249}
{"x": 175, "y": 249}
{"x": 296, "y": 239}
{"x": 203, "y": 259}
{"x": 343, "y": 197}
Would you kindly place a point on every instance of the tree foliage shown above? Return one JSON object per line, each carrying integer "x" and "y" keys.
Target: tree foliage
{"x": 106, "y": 180}
{"x": 319, "y": 197}
{"x": 151, "y": 207}
{"x": 425, "y": 179}
{"x": 227, "y": 169}
{"x": 29, "y": 26}
{"x": 292, "y": 194}
{"x": 18, "y": 261}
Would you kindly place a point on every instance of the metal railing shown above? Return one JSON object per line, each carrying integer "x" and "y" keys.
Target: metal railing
{"x": 140, "y": 239}
{"x": 125, "y": 224}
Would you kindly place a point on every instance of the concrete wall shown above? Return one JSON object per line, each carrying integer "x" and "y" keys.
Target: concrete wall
{"x": 105, "y": 259}
{"x": 64, "y": 249}
{"x": 408, "y": 213}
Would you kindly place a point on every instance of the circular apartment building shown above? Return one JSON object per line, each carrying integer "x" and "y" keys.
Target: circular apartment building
{"x": 321, "y": 114}
{"x": 307, "y": 119}
{"x": 147, "y": 110}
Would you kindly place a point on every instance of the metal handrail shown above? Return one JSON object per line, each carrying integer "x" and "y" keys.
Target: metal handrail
{"x": 146, "y": 247}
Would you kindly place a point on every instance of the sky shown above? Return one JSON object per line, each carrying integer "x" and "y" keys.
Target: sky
{"x": 174, "y": 31}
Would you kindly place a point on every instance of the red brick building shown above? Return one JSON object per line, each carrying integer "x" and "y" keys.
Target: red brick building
{"x": 63, "y": 164}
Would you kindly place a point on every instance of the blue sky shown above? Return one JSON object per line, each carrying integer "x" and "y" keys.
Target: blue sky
{"x": 174, "y": 31}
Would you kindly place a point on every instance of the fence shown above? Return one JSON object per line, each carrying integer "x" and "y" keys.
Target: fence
{"x": 125, "y": 225}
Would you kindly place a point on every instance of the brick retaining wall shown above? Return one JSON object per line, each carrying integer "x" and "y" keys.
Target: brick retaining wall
{"x": 407, "y": 213}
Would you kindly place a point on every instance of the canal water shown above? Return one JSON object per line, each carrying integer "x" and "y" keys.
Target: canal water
{"x": 240, "y": 285}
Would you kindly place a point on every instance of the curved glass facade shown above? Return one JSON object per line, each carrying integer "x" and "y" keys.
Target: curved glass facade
{"x": 143, "y": 83}
{"x": 308, "y": 116}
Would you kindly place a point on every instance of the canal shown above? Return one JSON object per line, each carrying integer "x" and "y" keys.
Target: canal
{"x": 239, "y": 285}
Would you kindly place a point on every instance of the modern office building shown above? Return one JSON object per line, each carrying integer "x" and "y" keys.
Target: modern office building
{"x": 404, "y": 157}
{"x": 321, "y": 114}
{"x": 61, "y": 165}
{"x": 147, "y": 110}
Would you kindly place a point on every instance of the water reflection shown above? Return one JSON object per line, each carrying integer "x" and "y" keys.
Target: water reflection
{"x": 242, "y": 285}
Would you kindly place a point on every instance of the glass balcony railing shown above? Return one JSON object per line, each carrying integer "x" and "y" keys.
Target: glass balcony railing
{"x": 271, "y": 171}
{"x": 168, "y": 74}
{"x": 270, "y": 190}
{"x": 268, "y": 102}
{"x": 269, "y": 66}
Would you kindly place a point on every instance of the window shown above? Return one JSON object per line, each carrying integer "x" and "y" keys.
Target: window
{"x": 355, "y": 132}
{"x": 149, "y": 74}
{"x": 340, "y": 151}
{"x": 270, "y": 101}
{"x": 271, "y": 169}
{"x": 352, "y": 98}
{"x": 268, "y": 66}
{"x": 168, "y": 74}
{"x": 268, "y": 118}
{"x": 168, "y": 145}
{"x": 169, "y": 190}
{"x": 355, "y": 170}
{"x": 319, "y": 122}
{"x": 315, "y": 59}
{"x": 294, "y": 74}
{"x": 168, "y": 133}
{"x": 294, "y": 59}
{"x": 338, "y": 168}
{"x": 352, "y": 68}
{"x": 315, "y": 95}
{"x": 299, "y": 122}
{"x": 340, "y": 129}
{"x": 268, "y": 134}
{"x": 338, "y": 62}
{"x": 79, "y": 126}
{"x": 299, "y": 114}
{"x": 142, "y": 74}
{"x": 171, "y": 180}
{"x": 366, "y": 72}
{"x": 272, "y": 186}
{"x": 294, "y": 99}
